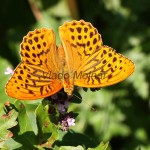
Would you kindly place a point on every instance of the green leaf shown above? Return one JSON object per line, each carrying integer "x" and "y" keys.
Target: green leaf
{"x": 48, "y": 133}
{"x": 30, "y": 112}
{"x": 25, "y": 123}
{"x": 101, "y": 146}
{"x": 71, "y": 148}
{"x": 11, "y": 144}
{"x": 72, "y": 138}
{"x": 7, "y": 121}
{"x": 2, "y": 109}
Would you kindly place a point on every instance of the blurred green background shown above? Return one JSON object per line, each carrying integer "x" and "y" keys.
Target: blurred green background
{"x": 122, "y": 113}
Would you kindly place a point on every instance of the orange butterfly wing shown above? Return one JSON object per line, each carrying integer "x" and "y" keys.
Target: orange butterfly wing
{"x": 32, "y": 79}
{"x": 93, "y": 64}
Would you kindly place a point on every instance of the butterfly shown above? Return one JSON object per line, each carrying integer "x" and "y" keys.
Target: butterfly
{"x": 80, "y": 60}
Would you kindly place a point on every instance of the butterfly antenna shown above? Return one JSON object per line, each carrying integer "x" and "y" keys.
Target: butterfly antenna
{"x": 92, "y": 108}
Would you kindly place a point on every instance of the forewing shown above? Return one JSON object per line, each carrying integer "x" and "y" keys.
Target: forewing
{"x": 92, "y": 64}
{"x": 34, "y": 76}
{"x": 80, "y": 40}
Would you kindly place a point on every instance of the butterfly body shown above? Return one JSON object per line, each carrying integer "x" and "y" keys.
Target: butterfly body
{"x": 80, "y": 60}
